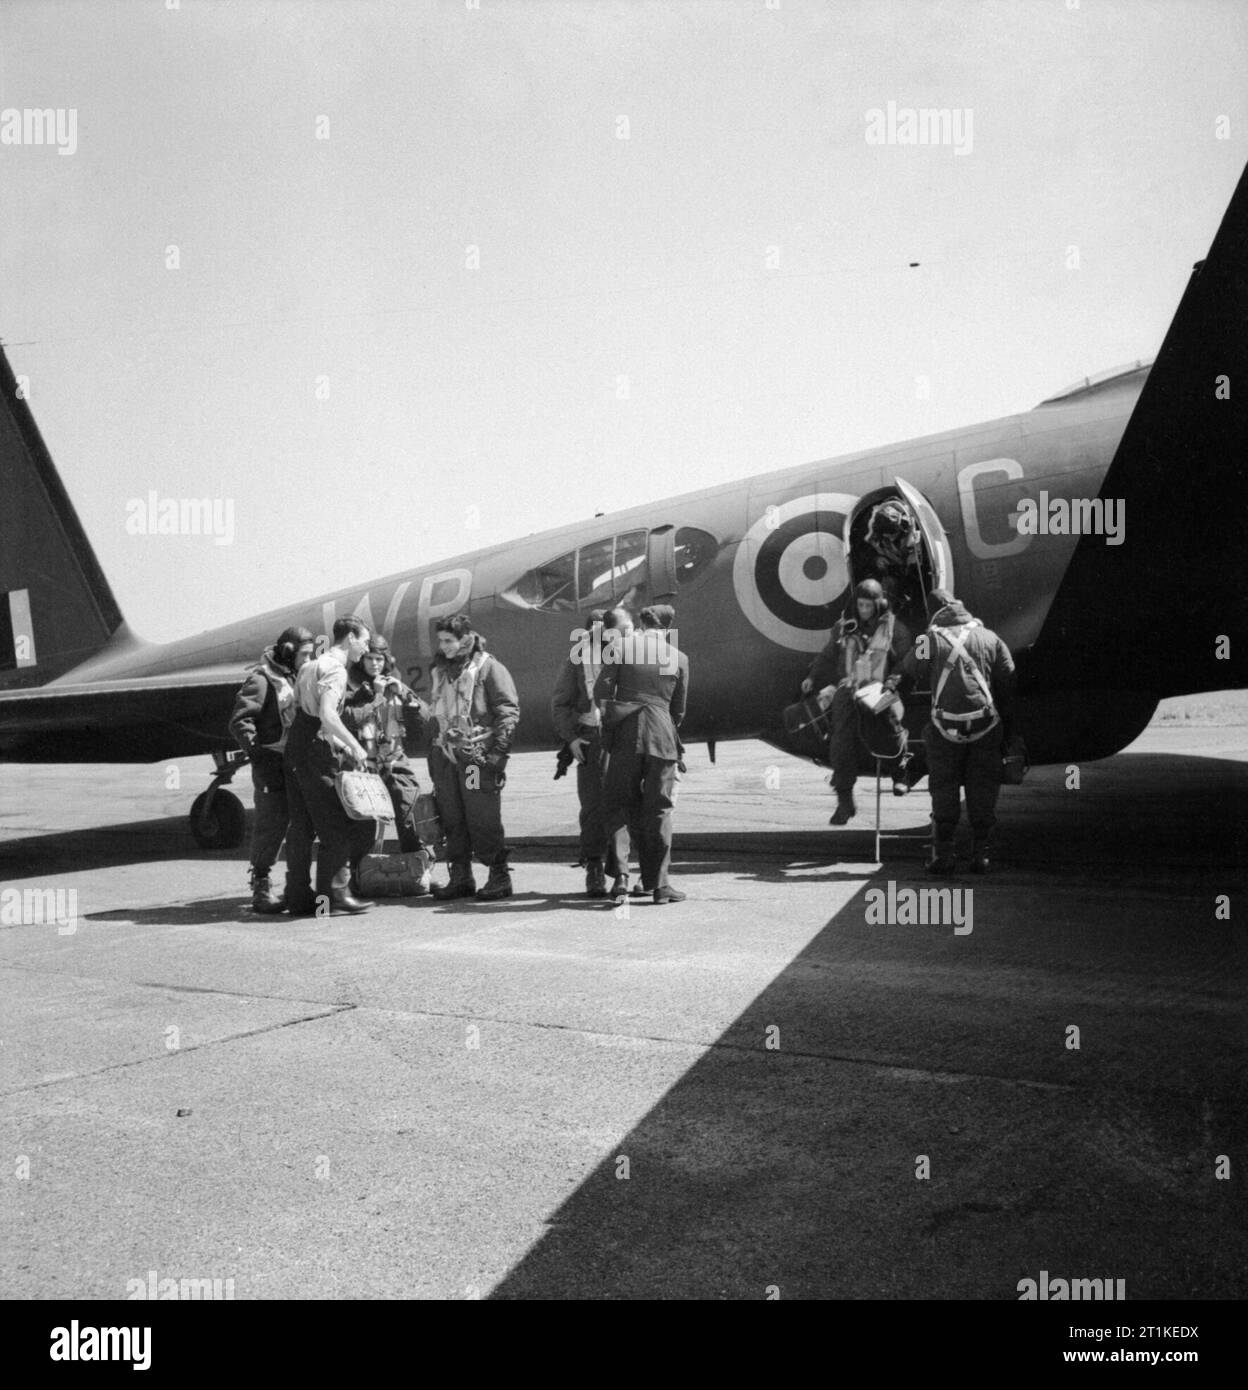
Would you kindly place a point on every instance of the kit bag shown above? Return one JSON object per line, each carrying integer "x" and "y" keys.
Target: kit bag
{"x": 364, "y": 795}
{"x": 395, "y": 875}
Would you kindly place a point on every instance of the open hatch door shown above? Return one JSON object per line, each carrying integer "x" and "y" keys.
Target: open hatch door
{"x": 935, "y": 542}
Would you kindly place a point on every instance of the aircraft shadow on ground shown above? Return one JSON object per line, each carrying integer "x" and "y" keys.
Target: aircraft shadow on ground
{"x": 163, "y": 838}
{"x": 791, "y": 1171}
{"x": 201, "y": 911}
{"x": 160, "y": 840}
{"x": 100, "y": 847}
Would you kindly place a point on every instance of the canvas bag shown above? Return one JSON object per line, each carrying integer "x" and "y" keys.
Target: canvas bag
{"x": 395, "y": 875}
{"x": 364, "y": 795}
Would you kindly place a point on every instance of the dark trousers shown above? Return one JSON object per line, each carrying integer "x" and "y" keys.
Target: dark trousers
{"x": 316, "y": 814}
{"x": 268, "y": 826}
{"x": 596, "y": 843}
{"x": 952, "y": 766}
{"x": 638, "y": 790}
{"x": 472, "y": 816}
{"x": 847, "y": 747}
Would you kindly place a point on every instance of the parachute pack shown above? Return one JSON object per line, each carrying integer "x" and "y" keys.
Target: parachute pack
{"x": 962, "y": 705}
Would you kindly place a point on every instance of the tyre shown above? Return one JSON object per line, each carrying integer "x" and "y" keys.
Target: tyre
{"x": 218, "y": 825}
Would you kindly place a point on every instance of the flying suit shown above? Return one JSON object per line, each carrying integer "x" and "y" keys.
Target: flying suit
{"x": 855, "y": 656}
{"x": 475, "y": 711}
{"x": 264, "y": 710}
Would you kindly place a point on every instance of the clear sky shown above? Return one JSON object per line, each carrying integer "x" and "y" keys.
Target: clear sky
{"x": 725, "y": 291}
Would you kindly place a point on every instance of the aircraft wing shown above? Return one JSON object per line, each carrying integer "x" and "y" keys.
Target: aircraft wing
{"x": 139, "y": 719}
{"x": 1148, "y": 614}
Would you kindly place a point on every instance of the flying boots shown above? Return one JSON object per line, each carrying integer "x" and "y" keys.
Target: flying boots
{"x": 979, "y": 857}
{"x": 497, "y": 886}
{"x": 264, "y": 901}
{"x": 595, "y": 879}
{"x": 845, "y": 809}
{"x": 462, "y": 884}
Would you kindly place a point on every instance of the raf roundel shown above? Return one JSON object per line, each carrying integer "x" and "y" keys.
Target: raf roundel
{"x": 789, "y": 572}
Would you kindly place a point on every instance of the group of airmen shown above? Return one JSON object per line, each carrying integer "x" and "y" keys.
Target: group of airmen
{"x": 303, "y": 718}
{"x": 617, "y": 706}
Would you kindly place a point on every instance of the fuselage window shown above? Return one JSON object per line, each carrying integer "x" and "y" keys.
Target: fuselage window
{"x": 694, "y": 551}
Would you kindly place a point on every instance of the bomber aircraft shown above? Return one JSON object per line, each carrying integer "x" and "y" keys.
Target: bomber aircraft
{"x": 1102, "y": 626}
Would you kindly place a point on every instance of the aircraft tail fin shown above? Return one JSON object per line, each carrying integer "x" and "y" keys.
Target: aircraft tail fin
{"x": 1158, "y": 611}
{"x": 56, "y": 606}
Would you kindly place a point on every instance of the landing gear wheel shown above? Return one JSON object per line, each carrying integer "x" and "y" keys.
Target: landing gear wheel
{"x": 218, "y": 825}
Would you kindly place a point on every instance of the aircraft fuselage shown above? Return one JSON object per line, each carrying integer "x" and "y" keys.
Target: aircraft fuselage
{"x": 748, "y": 625}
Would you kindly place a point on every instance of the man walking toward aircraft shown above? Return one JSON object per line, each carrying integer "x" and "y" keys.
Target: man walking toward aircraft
{"x": 970, "y": 673}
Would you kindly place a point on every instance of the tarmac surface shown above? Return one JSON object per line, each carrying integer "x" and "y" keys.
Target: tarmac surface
{"x": 727, "y": 1098}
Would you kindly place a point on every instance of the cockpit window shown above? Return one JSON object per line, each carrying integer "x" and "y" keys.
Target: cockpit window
{"x": 694, "y": 551}
{"x": 551, "y": 586}
{"x": 607, "y": 571}
{"x": 594, "y": 571}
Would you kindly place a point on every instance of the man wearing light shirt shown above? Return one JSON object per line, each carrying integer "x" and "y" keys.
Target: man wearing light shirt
{"x": 312, "y": 765}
